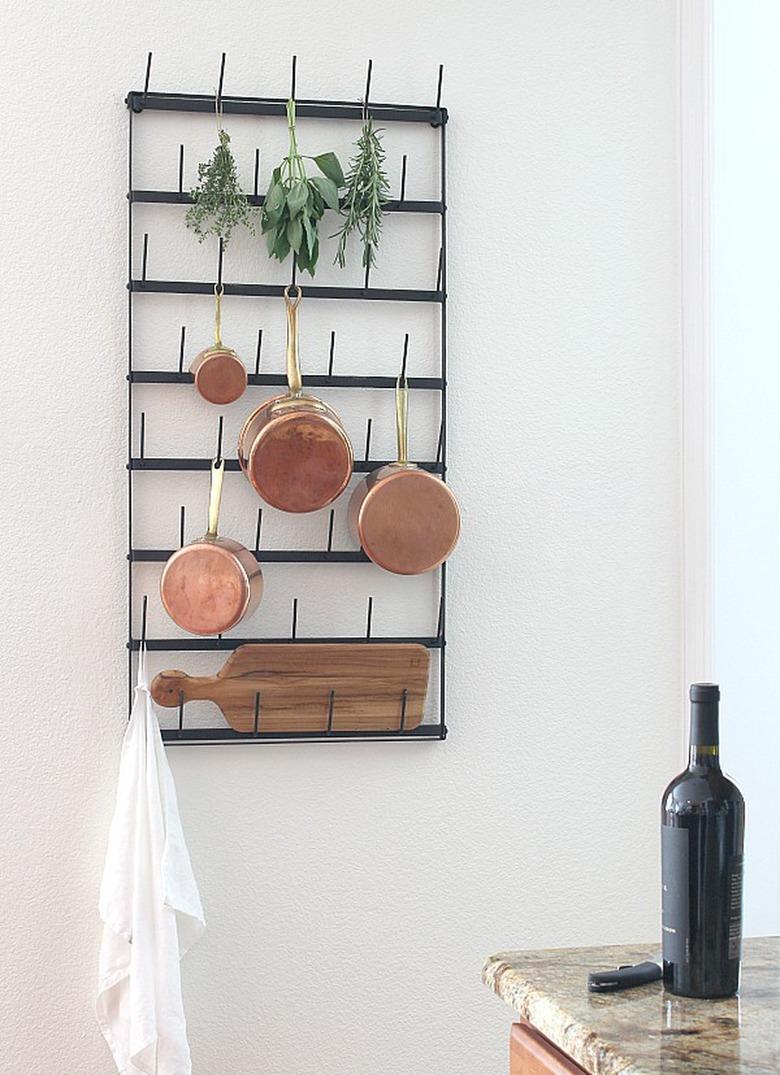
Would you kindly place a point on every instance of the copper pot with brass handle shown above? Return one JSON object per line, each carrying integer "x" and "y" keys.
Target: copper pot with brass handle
{"x": 207, "y": 587}
{"x": 293, "y": 448}
{"x": 406, "y": 519}
{"x": 220, "y": 375}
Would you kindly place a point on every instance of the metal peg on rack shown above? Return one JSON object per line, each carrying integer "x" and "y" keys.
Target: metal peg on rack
{"x": 258, "y": 529}
{"x": 369, "y": 423}
{"x": 438, "y": 85}
{"x": 144, "y": 612}
{"x": 218, "y": 100}
{"x": 369, "y": 616}
{"x": 402, "y": 195}
{"x": 142, "y": 436}
{"x": 256, "y": 183}
{"x": 145, "y": 256}
{"x": 181, "y": 168}
{"x": 256, "y": 724}
{"x": 292, "y": 77}
{"x": 147, "y": 76}
{"x": 181, "y": 712}
{"x": 220, "y": 260}
{"x": 258, "y": 351}
{"x": 402, "y": 721}
{"x": 220, "y": 428}
{"x": 182, "y": 340}
{"x": 330, "y": 529}
{"x": 332, "y": 352}
{"x": 294, "y": 626}
{"x": 331, "y": 701}
{"x": 181, "y": 526}
{"x": 368, "y": 90}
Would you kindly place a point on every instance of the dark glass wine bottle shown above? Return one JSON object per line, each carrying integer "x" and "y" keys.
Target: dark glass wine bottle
{"x": 702, "y": 834}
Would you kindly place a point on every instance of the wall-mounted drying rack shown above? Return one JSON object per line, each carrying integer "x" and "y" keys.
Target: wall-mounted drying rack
{"x": 146, "y": 100}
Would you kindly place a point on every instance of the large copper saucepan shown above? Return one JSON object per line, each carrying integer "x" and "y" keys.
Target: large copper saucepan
{"x": 406, "y": 519}
{"x": 208, "y": 586}
{"x": 293, "y": 448}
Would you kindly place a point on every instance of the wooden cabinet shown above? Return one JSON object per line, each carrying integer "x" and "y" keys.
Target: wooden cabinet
{"x": 530, "y": 1053}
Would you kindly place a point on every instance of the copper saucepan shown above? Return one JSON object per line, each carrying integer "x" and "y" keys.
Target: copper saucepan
{"x": 220, "y": 375}
{"x": 293, "y": 448}
{"x": 406, "y": 519}
{"x": 208, "y": 586}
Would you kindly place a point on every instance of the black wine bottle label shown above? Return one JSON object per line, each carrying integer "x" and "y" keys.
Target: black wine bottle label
{"x": 735, "y": 907}
{"x": 674, "y": 898}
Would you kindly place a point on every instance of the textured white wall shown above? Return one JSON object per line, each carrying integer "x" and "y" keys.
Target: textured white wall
{"x": 353, "y": 891}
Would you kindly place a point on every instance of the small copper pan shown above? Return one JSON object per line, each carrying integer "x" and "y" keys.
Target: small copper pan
{"x": 406, "y": 519}
{"x": 210, "y": 585}
{"x": 220, "y": 375}
{"x": 293, "y": 448}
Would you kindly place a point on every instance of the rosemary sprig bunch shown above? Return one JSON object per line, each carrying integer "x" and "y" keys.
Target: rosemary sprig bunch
{"x": 218, "y": 203}
{"x": 295, "y": 202}
{"x": 367, "y": 190}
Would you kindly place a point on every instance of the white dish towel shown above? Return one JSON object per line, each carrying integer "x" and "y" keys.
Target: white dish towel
{"x": 150, "y": 906}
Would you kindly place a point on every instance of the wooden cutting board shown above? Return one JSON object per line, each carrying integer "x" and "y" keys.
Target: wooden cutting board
{"x": 294, "y": 683}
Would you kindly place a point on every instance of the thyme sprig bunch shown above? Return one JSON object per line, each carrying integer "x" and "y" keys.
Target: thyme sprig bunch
{"x": 367, "y": 189}
{"x": 219, "y": 206}
{"x": 295, "y": 202}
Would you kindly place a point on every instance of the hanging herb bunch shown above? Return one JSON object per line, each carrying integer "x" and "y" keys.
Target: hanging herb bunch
{"x": 219, "y": 206}
{"x": 295, "y": 202}
{"x": 367, "y": 187}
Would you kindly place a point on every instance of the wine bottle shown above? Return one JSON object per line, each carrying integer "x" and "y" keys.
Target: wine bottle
{"x": 702, "y": 835}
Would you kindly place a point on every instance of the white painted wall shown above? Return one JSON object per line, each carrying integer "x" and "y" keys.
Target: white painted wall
{"x": 353, "y": 891}
{"x": 746, "y": 458}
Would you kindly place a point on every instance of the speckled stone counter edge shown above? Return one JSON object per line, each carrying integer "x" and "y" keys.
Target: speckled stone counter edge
{"x": 577, "y": 1041}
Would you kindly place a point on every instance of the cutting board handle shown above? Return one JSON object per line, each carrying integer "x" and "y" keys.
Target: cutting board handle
{"x": 172, "y": 687}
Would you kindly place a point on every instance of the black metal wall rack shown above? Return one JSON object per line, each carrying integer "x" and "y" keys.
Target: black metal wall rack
{"x": 146, "y": 100}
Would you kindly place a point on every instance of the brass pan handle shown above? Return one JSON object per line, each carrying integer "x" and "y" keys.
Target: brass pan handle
{"x": 402, "y": 418}
{"x": 218, "y": 293}
{"x": 293, "y": 363}
{"x": 215, "y": 497}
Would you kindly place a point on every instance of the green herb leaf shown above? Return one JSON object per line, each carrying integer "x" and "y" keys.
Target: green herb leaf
{"x": 328, "y": 191}
{"x": 297, "y": 196}
{"x": 295, "y": 233}
{"x": 328, "y": 164}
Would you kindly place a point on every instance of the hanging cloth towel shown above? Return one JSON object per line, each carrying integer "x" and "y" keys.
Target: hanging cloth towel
{"x": 150, "y": 906}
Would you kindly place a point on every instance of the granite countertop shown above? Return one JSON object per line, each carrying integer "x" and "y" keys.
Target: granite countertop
{"x": 645, "y": 1031}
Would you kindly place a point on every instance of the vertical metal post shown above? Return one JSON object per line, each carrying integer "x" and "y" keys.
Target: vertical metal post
{"x": 443, "y": 430}
{"x": 130, "y": 402}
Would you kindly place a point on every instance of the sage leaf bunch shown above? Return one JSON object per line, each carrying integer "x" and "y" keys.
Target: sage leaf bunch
{"x": 295, "y": 202}
{"x": 219, "y": 206}
{"x": 367, "y": 189}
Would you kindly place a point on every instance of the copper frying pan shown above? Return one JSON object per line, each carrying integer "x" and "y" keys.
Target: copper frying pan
{"x": 208, "y": 586}
{"x": 220, "y": 375}
{"x": 406, "y": 519}
{"x": 293, "y": 448}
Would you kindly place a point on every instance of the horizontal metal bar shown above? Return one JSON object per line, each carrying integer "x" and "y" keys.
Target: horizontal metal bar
{"x": 278, "y": 380}
{"x": 194, "y": 736}
{"x": 360, "y": 466}
{"x": 197, "y": 287}
{"x": 267, "y": 556}
{"x": 139, "y": 101}
{"x": 175, "y": 645}
{"x": 175, "y": 197}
